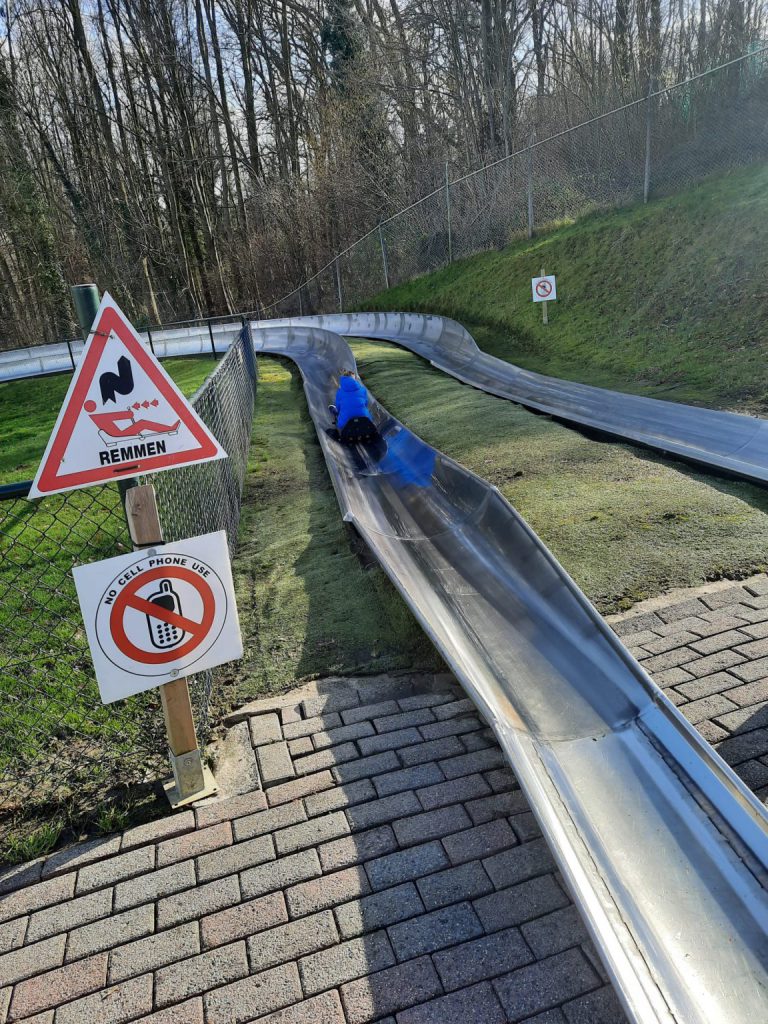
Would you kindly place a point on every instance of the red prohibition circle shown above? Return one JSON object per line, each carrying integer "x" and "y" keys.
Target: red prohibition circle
{"x": 129, "y": 598}
{"x": 543, "y": 289}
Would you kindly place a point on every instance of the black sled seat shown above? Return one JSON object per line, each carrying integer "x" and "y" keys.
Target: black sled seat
{"x": 358, "y": 430}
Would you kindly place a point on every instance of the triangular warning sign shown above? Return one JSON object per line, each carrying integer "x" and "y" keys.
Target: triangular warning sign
{"x": 123, "y": 415}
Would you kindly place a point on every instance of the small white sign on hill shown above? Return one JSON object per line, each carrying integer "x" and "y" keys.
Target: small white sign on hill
{"x": 544, "y": 288}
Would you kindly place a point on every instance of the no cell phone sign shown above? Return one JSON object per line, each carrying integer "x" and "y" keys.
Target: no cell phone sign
{"x": 544, "y": 288}
{"x": 155, "y": 615}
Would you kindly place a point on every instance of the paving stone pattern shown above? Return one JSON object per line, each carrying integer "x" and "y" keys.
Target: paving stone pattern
{"x": 709, "y": 655}
{"x": 389, "y": 870}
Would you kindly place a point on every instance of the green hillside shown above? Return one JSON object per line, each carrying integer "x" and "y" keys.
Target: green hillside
{"x": 668, "y": 299}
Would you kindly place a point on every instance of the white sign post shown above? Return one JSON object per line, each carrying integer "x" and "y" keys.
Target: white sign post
{"x": 544, "y": 290}
{"x": 154, "y": 615}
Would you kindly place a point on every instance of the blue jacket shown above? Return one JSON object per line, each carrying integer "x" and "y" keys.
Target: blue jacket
{"x": 351, "y": 401}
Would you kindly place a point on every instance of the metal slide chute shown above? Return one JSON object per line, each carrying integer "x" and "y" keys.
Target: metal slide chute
{"x": 726, "y": 441}
{"x": 663, "y": 847}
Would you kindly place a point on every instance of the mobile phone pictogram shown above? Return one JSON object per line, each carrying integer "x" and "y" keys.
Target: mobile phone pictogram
{"x": 164, "y": 634}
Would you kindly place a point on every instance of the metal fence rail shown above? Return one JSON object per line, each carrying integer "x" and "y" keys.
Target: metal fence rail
{"x": 212, "y": 336}
{"x": 57, "y": 741}
{"x": 662, "y": 143}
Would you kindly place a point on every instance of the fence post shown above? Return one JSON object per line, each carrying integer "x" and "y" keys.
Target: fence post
{"x": 191, "y": 779}
{"x": 149, "y": 339}
{"x": 530, "y": 185}
{"x": 210, "y": 335}
{"x": 448, "y": 212}
{"x": 301, "y": 302}
{"x": 338, "y": 284}
{"x": 248, "y": 353}
{"x": 86, "y": 299}
{"x": 384, "y": 263}
{"x": 648, "y": 126}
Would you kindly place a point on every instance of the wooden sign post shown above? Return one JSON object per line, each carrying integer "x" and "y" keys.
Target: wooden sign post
{"x": 544, "y": 290}
{"x": 191, "y": 779}
{"x": 544, "y": 315}
{"x": 97, "y": 440}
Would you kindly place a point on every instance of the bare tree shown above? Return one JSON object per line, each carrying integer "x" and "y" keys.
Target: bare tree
{"x": 198, "y": 155}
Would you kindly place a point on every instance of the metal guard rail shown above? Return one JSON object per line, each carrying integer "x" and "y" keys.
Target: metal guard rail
{"x": 724, "y": 441}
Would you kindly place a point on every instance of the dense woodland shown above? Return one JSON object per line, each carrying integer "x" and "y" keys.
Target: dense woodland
{"x": 197, "y": 156}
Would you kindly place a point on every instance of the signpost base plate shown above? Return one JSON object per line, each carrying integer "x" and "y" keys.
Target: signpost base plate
{"x": 178, "y": 788}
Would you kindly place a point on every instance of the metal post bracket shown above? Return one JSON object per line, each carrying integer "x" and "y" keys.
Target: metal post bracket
{"x": 191, "y": 780}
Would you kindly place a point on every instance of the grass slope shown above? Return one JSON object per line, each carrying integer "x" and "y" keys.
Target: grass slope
{"x": 625, "y": 524}
{"x": 28, "y": 411}
{"x": 666, "y": 299}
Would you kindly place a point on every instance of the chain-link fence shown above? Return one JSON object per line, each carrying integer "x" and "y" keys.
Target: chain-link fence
{"x": 659, "y": 144}
{"x": 58, "y": 742}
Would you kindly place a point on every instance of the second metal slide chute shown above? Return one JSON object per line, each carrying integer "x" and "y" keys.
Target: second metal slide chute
{"x": 724, "y": 441}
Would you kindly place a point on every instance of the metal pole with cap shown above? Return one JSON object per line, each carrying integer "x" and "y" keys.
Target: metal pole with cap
{"x": 86, "y": 300}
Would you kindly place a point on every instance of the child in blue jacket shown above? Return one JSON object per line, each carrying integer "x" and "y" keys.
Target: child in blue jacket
{"x": 351, "y": 409}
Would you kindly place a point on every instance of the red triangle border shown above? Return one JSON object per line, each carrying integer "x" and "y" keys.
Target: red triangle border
{"x": 50, "y": 480}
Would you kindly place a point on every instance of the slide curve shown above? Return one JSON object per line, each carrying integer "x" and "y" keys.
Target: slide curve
{"x": 732, "y": 442}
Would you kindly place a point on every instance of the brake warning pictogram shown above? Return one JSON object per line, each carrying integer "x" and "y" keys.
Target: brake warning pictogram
{"x": 153, "y": 616}
{"x": 122, "y": 416}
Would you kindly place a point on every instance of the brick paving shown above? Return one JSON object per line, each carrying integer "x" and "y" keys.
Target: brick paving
{"x": 708, "y": 655}
{"x": 389, "y": 869}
